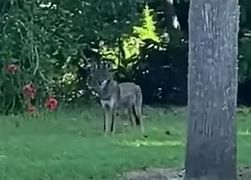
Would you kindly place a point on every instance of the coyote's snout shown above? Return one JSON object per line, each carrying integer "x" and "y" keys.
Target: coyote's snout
{"x": 115, "y": 96}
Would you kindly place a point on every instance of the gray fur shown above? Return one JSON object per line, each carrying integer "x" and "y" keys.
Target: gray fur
{"x": 115, "y": 96}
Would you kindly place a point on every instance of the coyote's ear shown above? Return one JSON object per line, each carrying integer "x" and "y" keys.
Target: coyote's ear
{"x": 109, "y": 66}
{"x": 95, "y": 66}
{"x": 103, "y": 65}
{"x": 88, "y": 65}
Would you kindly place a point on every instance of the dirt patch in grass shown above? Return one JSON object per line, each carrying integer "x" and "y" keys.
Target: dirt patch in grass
{"x": 154, "y": 174}
{"x": 244, "y": 173}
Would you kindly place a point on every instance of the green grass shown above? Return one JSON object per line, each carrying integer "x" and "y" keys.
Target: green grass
{"x": 70, "y": 146}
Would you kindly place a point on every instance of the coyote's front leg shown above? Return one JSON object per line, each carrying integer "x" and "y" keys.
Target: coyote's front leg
{"x": 113, "y": 121}
{"x": 106, "y": 119}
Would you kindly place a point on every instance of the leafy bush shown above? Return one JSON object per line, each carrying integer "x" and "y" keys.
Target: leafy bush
{"x": 49, "y": 40}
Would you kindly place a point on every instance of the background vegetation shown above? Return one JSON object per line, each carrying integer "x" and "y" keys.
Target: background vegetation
{"x": 52, "y": 42}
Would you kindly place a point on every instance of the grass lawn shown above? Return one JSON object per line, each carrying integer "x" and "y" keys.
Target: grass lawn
{"x": 70, "y": 146}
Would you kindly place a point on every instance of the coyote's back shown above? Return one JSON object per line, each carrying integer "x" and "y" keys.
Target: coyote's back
{"x": 131, "y": 97}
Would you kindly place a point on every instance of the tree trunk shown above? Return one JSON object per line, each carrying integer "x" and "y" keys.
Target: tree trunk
{"x": 212, "y": 90}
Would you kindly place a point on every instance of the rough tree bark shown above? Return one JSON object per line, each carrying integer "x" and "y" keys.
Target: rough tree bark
{"x": 212, "y": 90}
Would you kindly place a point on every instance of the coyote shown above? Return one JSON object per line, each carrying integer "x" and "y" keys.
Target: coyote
{"x": 114, "y": 96}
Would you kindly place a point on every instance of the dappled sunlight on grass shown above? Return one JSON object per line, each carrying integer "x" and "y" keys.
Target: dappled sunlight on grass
{"x": 244, "y": 133}
{"x": 2, "y": 156}
{"x": 138, "y": 143}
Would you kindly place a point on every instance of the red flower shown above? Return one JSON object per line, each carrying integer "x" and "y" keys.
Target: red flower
{"x": 29, "y": 91}
{"x": 11, "y": 68}
{"x": 51, "y": 103}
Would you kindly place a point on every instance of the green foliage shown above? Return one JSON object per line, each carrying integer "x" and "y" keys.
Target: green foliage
{"x": 50, "y": 38}
{"x": 10, "y": 88}
{"x": 125, "y": 52}
{"x": 147, "y": 30}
